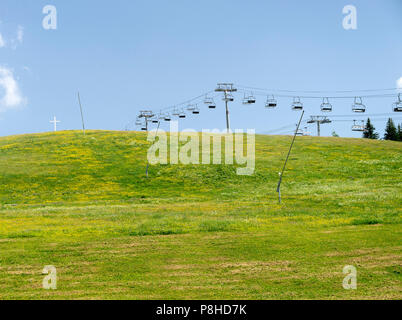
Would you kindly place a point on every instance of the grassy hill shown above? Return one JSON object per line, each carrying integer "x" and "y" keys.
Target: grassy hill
{"x": 84, "y": 205}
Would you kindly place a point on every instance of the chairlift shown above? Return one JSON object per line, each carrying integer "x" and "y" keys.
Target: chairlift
{"x": 138, "y": 122}
{"x": 326, "y": 106}
{"x": 297, "y": 105}
{"x": 161, "y": 117}
{"x": 228, "y": 98}
{"x": 175, "y": 112}
{"x": 397, "y": 106}
{"x": 210, "y": 102}
{"x": 190, "y": 107}
{"x": 358, "y": 127}
{"x": 182, "y": 114}
{"x": 250, "y": 99}
{"x": 196, "y": 110}
{"x": 299, "y": 132}
{"x": 271, "y": 102}
{"x": 155, "y": 120}
{"x": 167, "y": 117}
{"x": 358, "y": 105}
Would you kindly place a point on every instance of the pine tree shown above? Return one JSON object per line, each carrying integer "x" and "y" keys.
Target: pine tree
{"x": 369, "y": 131}
{"x": 399, "y": 133}
{"x": 390, "y": 131}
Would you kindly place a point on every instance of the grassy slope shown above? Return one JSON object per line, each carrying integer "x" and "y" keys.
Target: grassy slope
{"x": 85, "y": 206}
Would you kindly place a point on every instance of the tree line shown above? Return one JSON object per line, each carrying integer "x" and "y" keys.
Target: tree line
{"x": 391, "y": 131}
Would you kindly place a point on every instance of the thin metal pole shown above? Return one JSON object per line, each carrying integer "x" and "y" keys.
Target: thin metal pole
{"x": 225, "y": 88}
{"x": 278, "y": 189}
{"x": 146, "y": 171}
{"x": 146, "y": 127}
{"x": 227, "y": 113}
{"x": 156, "y": 133}
{"x": 82, "y": 116}
{"x": 318, "y": 128}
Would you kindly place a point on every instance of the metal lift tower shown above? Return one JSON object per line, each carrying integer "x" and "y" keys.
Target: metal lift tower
{"x": 147, "y": 115}
{"x": 319, "y": 120}
{"x": 226, "y": 88}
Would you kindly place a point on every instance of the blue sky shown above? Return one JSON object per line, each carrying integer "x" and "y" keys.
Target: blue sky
{"x": 125, "y": 56}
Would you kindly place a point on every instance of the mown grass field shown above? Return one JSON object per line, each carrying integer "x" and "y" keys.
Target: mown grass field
{"x": 84, "y": 205}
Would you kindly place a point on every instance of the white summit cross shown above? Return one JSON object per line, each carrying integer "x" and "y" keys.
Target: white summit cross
{"x": 55, "y": 122}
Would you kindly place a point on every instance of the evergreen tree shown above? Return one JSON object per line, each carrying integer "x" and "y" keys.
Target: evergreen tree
{"x": 334, "y": 134}
{"x": 369, "y": 131}
{"x": 399, "y": 133}
{"x": 390, "y": 131}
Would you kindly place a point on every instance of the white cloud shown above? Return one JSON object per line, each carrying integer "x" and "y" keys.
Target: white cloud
{"x": 13, "y": 42}
{"x": 10, "y": 94}
{"x": 399, "y": 83}
{"x": 2, "y": 42}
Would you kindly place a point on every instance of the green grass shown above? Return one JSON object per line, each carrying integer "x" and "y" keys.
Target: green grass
{"x": 84, "y": 205}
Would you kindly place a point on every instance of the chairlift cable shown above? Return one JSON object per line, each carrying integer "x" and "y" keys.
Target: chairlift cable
{"x": 362, "y": 115}
{"x": 385, "y": 95}
{"x": 188, "y": 101}
{"x": 315, "y": 91}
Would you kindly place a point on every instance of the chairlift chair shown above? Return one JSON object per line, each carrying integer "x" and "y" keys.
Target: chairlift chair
{"x": 196, "y": 110}
{"x": 358, "y": 127}
{"x": 250, "y": 99}
{"x": 271, "y": 102}
{"x": 358, "y": 105}
{"x": 229, "y": 97}
{"x": 210, "y": 102}
{"x": 138, "y": 122}
{"x": 397, "y": 106}
{"x": 326, "y": 106}
{"x": 167, "y": 117}
{"x": 212, "y": 106}
{"x": 190, "y": 107}
{"x": 207, "y": 100}
{"x": 182, "y": 114}
{"x": 175, "y": 113}
{"x": 299, "y": 132}
{"x": 297, "y": 105}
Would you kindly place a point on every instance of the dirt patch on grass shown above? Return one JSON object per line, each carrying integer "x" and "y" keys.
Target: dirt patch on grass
{"x": 360, "y": 252}
{"x": 257, "y": 267}
{"x": 7, "y": 240}
{"x": 379, "y": 261}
